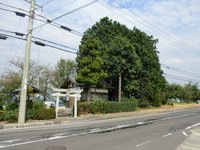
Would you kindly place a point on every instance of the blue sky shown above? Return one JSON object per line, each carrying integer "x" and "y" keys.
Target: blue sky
{"x": 174, "y": 22}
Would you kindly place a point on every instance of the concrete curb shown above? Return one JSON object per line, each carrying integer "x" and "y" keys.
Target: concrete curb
{"x": 192, "y": 142}
{"x": 66, "y": 120}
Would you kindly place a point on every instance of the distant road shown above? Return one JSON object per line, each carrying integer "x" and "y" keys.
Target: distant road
{"x": 163, "y": 131}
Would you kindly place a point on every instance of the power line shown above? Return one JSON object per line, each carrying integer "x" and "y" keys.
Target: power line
{"x": 63, "y": 27}
{"x": 76, "y": 9}
{"x": 22, "y": 34}
{"x": 63, "y": 5}
{"x": 16, "y": 12}
{"x": 67, "y": 13}
{"x": 10, "y": 6}
{"x": 44, "y": 44}
{"x": 181, "y": 71}
{"x": 56, "y": 43}
{"x": 47, "y": 2}
{"x": 154, "y": 27}
{"x": 180, "y": 78}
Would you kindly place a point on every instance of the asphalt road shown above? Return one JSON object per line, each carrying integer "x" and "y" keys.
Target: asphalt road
{"x": 163, "y": 131}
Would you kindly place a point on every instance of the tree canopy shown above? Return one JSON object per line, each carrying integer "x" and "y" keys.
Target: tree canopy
{"x": 109, "y": 48}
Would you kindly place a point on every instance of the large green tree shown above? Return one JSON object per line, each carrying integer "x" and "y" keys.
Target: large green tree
{"x": 63, "y": 68}
{"x": 130, "y": 53}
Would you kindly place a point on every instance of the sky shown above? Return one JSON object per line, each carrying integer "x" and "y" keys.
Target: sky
{"x": 175, "y": 23}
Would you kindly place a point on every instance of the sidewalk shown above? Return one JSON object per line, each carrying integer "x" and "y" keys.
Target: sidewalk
{"x": 192, "y": 142}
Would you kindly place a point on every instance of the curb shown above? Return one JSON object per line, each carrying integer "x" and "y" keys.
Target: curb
{"x": 64, "y": 121}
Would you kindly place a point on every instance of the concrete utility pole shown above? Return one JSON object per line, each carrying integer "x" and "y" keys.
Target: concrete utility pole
{"x": 23, "y": 97}
{"x": 120, "y": 87}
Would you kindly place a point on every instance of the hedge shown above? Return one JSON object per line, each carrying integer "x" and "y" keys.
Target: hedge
{"x": 106, "y": 107}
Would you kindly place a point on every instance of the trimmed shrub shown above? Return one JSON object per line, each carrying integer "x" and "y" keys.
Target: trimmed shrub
{"x": 40, "y": 112}
{"x": 10, "y": 115}
{"x": 106, "y": 107}
{"x": 1, "y": 115}
{"x": 143, "y": 103}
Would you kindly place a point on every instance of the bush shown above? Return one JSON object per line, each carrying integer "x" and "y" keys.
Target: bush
{"x": 170, "y": 103}
{"x": 10, "y": 115}
{"x": 125, "y": 99}
{"x": 143, "y": 103}
{"x": 40, "y": 112}
{"x": 106, "y": 107}
{"x": 1, "y": 115}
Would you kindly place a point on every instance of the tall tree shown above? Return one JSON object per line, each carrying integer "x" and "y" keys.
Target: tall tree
{"x": 90, "y": 64}
{"x": 63, "y": 69}
{"x": 130, "y": 54}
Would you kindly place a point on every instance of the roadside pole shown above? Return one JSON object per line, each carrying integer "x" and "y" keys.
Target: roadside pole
{"x": 75, "y": 106}
{"x": 57, "y": 104}
{"x": 23, "y": 97}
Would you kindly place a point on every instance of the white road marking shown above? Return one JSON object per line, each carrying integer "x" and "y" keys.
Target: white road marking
{"x": 142, "y": 144}
{"x": 195, "y": 125}
{"x": 140, "y": 123}
{"x": 166, "y": 135}
{"x": 60, "y": 134}
{"x": 55, "y": 137}
{"x": 10, "y": 141}
{"x": 123, "y": 126}
{"x": 184, "y": 133}
{"x": 95, "y": 130}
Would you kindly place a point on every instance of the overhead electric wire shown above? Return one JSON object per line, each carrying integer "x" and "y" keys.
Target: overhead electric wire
{"x": 181, "y": 71}
{"x": 63, "y": 5}
{"x": 22, "y": 34}
{"x": 10, "y": 6}
{"x": 153, "y": 26}
{"x": 67, "y": 13}
{"x": 47, "y": 2}
{"x": 55, "y": 43}
{"x": 47, "y": 21}
{"x": 44, "y": 44}
{"x": 76, "y": 9}
{"x": 135, "y": 19}
{"x": 180, "y": 78}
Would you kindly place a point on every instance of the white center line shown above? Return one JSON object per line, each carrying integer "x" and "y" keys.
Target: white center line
{"x": 10, "y": 141}
{"x": 142, "y": 144}
{"x": 166, "y": 135}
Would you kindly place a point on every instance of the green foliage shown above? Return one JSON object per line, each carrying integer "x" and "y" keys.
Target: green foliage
{"x": 120, "y": 50}
{"x": 143, "y": 103}
{"x": 188, "y": 93}
{"x": 11, "y": 105}
{"x": 106, "y": 107}
{"x": 40, "y": 112}
{"x": 170, "y": 103}
{"x": 125, "y": 99}
{"x": 63, "y": 69}
{"x": 1, "y": 115}
{"x": 10, "y": 115}
{"x": 90, "y": 64}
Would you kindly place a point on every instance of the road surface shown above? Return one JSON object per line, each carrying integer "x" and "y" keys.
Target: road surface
{"x": 162, "y": 131}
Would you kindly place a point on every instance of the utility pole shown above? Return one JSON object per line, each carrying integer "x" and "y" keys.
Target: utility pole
{"x": 120, "y": 87}
{"x": 23, "y": 97}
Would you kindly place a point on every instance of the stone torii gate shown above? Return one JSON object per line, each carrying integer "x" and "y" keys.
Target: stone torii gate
{"x": 72, "y": 92}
